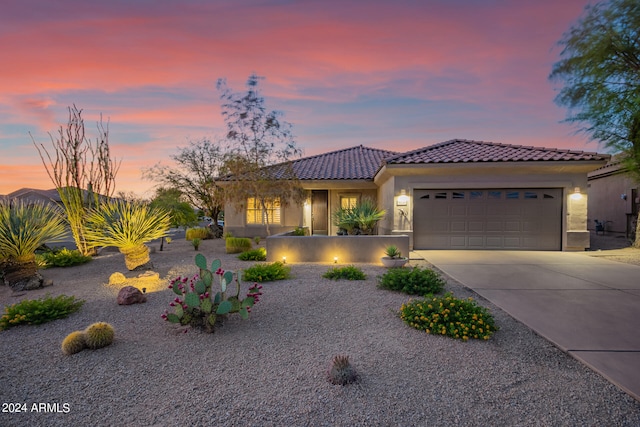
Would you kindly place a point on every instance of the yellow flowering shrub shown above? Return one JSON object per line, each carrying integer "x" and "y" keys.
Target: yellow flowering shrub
{"x": 450, "y": 316}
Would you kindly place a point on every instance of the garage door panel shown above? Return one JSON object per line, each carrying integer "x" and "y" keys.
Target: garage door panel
{"x": 513, "y": 210}
{"x": 439, "y": 209}
{"x": 458, "y": 242}
{"x": 512, "y": 243}
{"x": 479, "y": 209}
{"x": 458, "y": 226}
{"x": 458, "y": 210}
{"x": 494, "y": 226}
{"x": 494, "y": 242}
{"x": 476, "y": 226}
{"x": 510, "y": 226}
{"x": 494, "y": 209}
{"x": 527, "y": 219}
{"x": 476, "y": 242}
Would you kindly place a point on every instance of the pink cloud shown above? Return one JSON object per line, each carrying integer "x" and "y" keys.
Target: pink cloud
{"x": 478, "y": 69}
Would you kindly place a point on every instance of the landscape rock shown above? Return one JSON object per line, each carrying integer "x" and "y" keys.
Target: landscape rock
{"x": 131, "y": 295}
{"x": 117, "y": 278}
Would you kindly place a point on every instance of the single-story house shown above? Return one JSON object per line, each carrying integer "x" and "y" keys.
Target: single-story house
{"x": 31, "y": 195}
{"x": 614, "y": 198}
{"x": 458, "y": 194}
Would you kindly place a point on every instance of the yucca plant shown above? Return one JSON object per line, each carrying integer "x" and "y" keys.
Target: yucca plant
{"x": 344, "y": 219}
{"x": 367, "y": 214}
{"x": 23, "y": 228}
{"x": 127, "y": 225}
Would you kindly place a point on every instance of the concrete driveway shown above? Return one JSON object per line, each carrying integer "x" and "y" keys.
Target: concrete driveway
{"x": 587, "y": 306}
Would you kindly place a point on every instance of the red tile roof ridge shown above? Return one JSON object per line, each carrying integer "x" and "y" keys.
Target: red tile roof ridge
{"x": 438, "y": 153}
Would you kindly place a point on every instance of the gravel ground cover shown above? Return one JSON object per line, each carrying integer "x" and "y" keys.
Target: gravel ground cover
{"x": 271, "y": 370}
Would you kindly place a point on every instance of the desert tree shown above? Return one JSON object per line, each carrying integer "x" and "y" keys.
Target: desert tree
{"x": 195, "y": 174}
{"x": 180, "y": 212}
{"x": 172, "y": 201}
{"x": 82, "y": 171}
{"x": 261, "y": 148}
{"x": 599, "y": 69}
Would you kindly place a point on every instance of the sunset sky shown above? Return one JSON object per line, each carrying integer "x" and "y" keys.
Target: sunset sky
{"x": 399, "y": 74}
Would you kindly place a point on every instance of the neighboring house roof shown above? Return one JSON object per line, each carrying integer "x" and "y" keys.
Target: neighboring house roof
{"x": 614, "y": 166}
{"x": 350, "y": 163}
{"x": 467, "y": 151}
{"x": 28, "y": 193}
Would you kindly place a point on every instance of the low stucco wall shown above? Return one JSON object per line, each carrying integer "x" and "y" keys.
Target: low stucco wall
{"x": 347, "y": 249}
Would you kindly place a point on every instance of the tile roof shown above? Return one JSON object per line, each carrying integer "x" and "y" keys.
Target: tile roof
{"x": 25, "y": 192}
{"x": 467, "y": 151}
{"x": 350, "y": 163}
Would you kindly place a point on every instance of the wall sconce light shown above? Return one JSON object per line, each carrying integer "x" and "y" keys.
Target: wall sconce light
{"x": 623, "y": 196}
{"x": 284, "y": 259}
{"x": 576, "y": 194}
{"x": 335, "y": 259}
{"x": 402, "y": 198}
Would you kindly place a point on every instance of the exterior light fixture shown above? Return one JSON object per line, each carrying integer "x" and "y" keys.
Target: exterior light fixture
{"x": 402, "y": 198}
{"x": 284, "y": 259}
{"x": 335, "y": 259}
{"x": 576, "y": 194}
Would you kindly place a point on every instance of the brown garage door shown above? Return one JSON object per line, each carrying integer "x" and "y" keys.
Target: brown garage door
{"x": 518, "y": 219}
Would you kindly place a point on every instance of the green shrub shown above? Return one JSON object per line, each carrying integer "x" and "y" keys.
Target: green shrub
{"x": 412, "y": 281}
{"x": 266, "y": 272}
{"x": 235, "y": 245}
{"x": 256, "y": 239}
{"x": 348, "y": 272}
{"x": 196, "y": 243}
{"x": 450, "y": 316}
{"x": 61, "y": 258}
{"x": 197, "y": 233}
{"x": 259, "y": 254}
{"x": 299, "y": 231}
{"x": 35, "y": 312}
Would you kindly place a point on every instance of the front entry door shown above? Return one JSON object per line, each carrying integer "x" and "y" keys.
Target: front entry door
{"x": 319, "y": 212}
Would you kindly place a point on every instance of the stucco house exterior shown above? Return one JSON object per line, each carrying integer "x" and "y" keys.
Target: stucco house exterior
{"x": 614, "y": 199}
{"x": 458, "y": 194}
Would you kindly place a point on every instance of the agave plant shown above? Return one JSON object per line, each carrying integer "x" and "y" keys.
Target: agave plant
{"x": 127, "y": 225}
{"x": 23, "y": 228}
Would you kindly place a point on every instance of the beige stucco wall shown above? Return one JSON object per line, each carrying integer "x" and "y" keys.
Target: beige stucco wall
{"x": 347, "y": 249}
{"x": 606, "y": 187}
{"x": 298, "y": 215}
{"x": 290, "y": 216}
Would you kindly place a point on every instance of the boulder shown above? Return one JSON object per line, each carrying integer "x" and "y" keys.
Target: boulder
{"x": 117, "y": 278}
{"x": 131, "y": 295}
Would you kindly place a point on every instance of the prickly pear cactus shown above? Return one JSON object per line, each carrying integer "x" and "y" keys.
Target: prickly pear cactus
{"x": 341, "y": 371}
{"x": 197, "y": 304}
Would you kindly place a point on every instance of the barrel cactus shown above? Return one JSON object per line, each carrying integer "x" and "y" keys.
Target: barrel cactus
{"x": 74, "y": 343}
{"x": 341, "y": 371}
{"x": 98, "y": 335}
